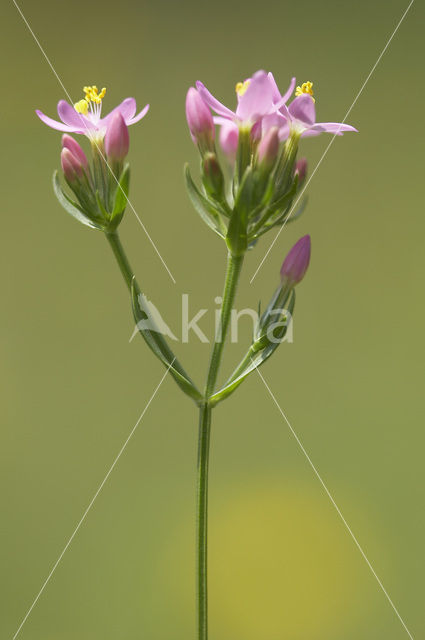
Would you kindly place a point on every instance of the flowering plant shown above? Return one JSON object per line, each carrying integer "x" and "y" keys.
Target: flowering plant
{"x": 260, "y": 141}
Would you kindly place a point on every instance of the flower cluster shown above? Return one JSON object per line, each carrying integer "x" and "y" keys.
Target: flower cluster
{"x": 260, "y": 138}
{"x": 100, "y": 187}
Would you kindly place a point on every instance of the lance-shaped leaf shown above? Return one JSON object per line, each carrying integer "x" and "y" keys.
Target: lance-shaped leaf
{"x": 153, "y": 338}
{"x": 203, "y": 207}
{"x": 252, "y": 360}
{"x": 72, "y": 207}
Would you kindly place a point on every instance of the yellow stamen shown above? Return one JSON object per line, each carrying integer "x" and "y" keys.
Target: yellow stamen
{"x": 306, "y": 87}
{"x": 81, "y": 107}
{"x": 241, "y": 87}
{"x": 91, "y": 95}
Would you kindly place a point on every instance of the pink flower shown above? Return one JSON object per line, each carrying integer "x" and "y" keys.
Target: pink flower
{"x": 259, "y": 101}
{"x": 85, "y": 116}
{"x": 268, "y": 149}
{"x": 229, "y": 134}
{"x": 68, "y": 142}
{"x": 117, "y": 140}
{"x": 199, "y": 118}
{"x": 257, "y": 97}
{"x": 72, "y": 168}
{"x": 301, "y": 116}
{"x": 296, "y": 262}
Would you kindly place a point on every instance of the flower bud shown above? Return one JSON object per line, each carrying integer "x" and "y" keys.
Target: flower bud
{"x": 117, "y": 140}
{"x": 199, "y": 119}
{"x": 268, "y": 149}
{"x": 229, "y": 137}
{"x": 72, "y": 168}
{"x": 212, "y": 176}
{"x": 301, "y": 170}
{"x": 68, "y": 142}
{"x": 296, "y": 262}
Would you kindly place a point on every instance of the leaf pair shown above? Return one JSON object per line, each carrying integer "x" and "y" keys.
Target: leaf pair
{"x": 151, "y": 334}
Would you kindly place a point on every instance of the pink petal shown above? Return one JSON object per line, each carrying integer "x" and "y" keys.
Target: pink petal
{"x": 229, "y": 134}
{"x": 332, "y": 127}
{"x": 213, "y": 102}
{"x": 289, "y": 90}
{"x": 275, "y": 89}
{"x": 220, "y": 120}
{"x": 257, "y": 99}
{"x": 54, "y": 124}
{"x": 139, "y": 116}
{"x": 72, "y": 118}
{"x": 284, "y": 131}
{"x": 303, "y": 109}
{"x": 273, "y": 120}
{"x": 127, "y": 109}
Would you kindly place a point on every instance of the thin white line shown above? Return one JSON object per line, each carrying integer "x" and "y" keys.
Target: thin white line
{"x": 97, "y": 146}
{"x": 90, "y": 505}
{"x": 333, "y": 502}
{"x": 332, "y": 140}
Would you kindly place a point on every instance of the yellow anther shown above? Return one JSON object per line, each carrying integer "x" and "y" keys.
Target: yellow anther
{"x": 81, "y": 107}
{"x": 241, "y": 87}
{"x": 306, "y": 87}
{"x": 91, "y": 95}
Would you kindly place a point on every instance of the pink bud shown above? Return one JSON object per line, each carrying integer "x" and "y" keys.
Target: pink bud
{"x": 72, "y": 168}
{"x": 268, "y": 148}
{"x": 296, "y": 262}
{"x": 117, "y": 141}
{"x": 68, "y": 142}
{"x": 229, "y": 135}
{"x": 301, "y": 169}
{"x": 199, "y": 118}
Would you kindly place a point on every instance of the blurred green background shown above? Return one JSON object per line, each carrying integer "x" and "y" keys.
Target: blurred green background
{"x": 283, "y": 567}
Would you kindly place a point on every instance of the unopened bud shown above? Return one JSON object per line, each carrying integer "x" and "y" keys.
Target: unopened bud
{"x": 117, "y": 141}
{"x": 199, "y": 119}
{"x": 301, "y": 170}
{"x": 212, "y": 176}
{"x": 72, "y": 168}
{"x": 268, "y": 149}
{"x": 229, "y": 137}
{"x": 296, "y": 262}
{"x": 68, "y": 142}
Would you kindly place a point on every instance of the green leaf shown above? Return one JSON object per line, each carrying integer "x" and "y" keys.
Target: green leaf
{"x": 252, "y": 360}
{"x": 156, "y": 343}
{"x": 122, "y": 191}
{"x": 203, "y": 207}
{"x": 72, "y": 207}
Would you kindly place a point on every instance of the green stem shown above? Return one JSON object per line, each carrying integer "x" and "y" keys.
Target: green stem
{"x": 202, "y": 520}
{"x": 234, "y": 265}
{"x": 122, "y": 260}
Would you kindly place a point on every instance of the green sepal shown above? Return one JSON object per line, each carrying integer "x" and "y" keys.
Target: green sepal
{"x": 154, "y": 341}
{"x": 254, "y": 358}
{"x": 72, "y": 207}
{"x": 99, "y": 203}
{"x": 267, "y": 221}
{"x": 203, "y": 207}
{"x": 295, "y": 215}
{"x": 121, "y": 193}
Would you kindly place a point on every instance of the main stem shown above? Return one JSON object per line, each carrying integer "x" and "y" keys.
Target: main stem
{"x": 234, "y": 265}
{"x": 123, "y": 263}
